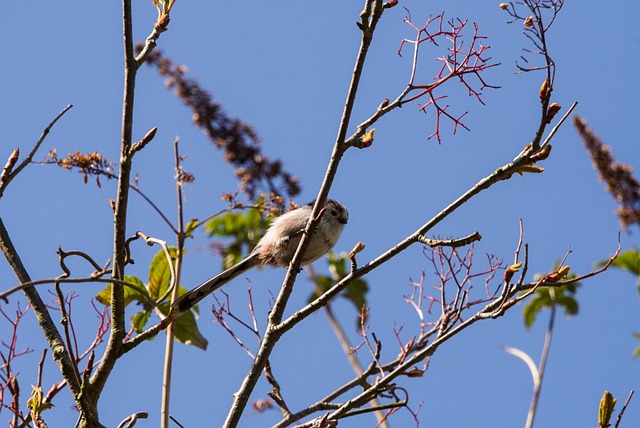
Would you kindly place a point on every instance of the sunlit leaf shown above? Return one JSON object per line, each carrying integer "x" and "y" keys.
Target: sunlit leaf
{"x": 130, "y": 294}
{"x": 546, "y": 297}
{"x": 160, "y": 273}
{"x": 254, "y": 220}
{"x": 628, "y": 260}
{"x": 36, "y": 402}
{"x": 338, "y": 264}
{"x": 185, "y": 329}
{"x": 190, "y": 227}
{"x": 244, "y": 231}
{"x": 139, "y": 320}
{"x": 636, "y": 353}
{"x": 104, "y": 295}
{"x": 355, "y": 292}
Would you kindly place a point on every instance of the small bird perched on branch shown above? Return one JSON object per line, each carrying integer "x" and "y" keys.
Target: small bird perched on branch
{"x": 277, "y": 247}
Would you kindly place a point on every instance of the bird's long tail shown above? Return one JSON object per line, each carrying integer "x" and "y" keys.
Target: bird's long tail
{"x": 192, "y": 297}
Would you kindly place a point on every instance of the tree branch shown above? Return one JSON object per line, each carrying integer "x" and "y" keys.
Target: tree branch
{"x": 118, "y": 327}
{"x": 369, "y": 20}
{"x": 51, "y": 333}
{"x": 9, "y": 177}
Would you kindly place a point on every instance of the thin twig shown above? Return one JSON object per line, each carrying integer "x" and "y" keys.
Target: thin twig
{"x": 626, "y": 403}
{"x": 275, "y": 393}
{"x": 173, "y": 289}
{"x": 117, "y": 302}
{"x": 54, "y": 340}
{"x": 420, "y": 355}
{"x": 27, "y": 160}
{"x": 555, "y": 128}
{"x": 30, "y": 284}
{"x": 272, "y": 335}
{"x": 176, "y": 422}
{"x": 345, "y": 344}
{"x": 40, "y": 365}
{"x": 65, "y": 324}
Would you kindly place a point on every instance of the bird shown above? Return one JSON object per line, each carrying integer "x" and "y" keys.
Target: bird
{"x": 277, "y": 247}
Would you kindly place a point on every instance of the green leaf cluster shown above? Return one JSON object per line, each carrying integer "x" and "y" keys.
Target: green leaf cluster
{"x": 546, "y": 297}
{"x": 243, "y": 229}
{"x": 355, "y": 292}
{"x": 185, "y": 328}
{"x": 629, "y": 261}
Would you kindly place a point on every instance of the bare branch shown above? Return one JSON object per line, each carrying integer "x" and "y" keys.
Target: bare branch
{"x": 460, "y": 242}
{"x": 54, "y": 340}
{"x": 369, "y": 19}
{"x": 6, "y": 179}
{"x": 30, "y": 284}
{"x": 626, "y": 403}
{"x": 459, "y": 63}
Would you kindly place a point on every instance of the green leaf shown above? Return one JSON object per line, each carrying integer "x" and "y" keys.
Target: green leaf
{"x": 530, "y": 311}
{"x": 104, "y": 295}
{"x": 546, "y": 297}
{"x": 628, "y": 260}
{"x": 185, "y": 329}
{"x": 232, "y": 255}
{"x": 247, "y": 227}
{"x": 139, "y": 320}
{"x": 190, "y": 227}
{"x": 244, "y": 229}
{"x": 356, "y": 293}
{"x": 569, "y": 304}
{"x": 130, "y": 294}
{"x": 159, "y": 273}
{"x": 224, "y": 225}
{"x": 253, "y": 220}
{"x": 323, "y": 284}
{"x": 636, "y": 353}
{"x": 338, "y": 264}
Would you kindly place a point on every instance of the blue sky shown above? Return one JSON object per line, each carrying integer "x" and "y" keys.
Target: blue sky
{"x": 284, "y": 67}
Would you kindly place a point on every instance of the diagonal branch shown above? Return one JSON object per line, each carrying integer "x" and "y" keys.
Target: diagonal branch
{"x": 9, "y": 177}
{"x": 51, "y": 333}
{"x": 369, "y": 18}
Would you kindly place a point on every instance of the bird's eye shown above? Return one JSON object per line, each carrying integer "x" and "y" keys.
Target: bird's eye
{"x": 334, "y": 213}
